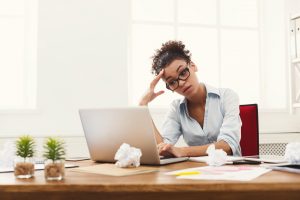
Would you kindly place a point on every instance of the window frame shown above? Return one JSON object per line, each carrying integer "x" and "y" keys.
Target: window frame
{"x": 271, "y": 120}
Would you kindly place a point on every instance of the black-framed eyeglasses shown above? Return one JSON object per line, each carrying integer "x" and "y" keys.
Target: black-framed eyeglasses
{"x": 173, "y": 84}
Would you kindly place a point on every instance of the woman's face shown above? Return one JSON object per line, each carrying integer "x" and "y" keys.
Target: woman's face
{"x": 181, "y": 77}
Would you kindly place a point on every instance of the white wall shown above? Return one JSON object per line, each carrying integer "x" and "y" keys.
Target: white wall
{"x": 293, "y": 6}
{"x": 82, "y": 62}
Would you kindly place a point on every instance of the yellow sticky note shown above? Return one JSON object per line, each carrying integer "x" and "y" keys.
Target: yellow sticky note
{"x": 187, "y": 173}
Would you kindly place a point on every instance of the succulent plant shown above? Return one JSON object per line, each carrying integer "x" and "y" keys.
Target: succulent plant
{"x": 25, "y": 146}
{"x": 54, "y": 149}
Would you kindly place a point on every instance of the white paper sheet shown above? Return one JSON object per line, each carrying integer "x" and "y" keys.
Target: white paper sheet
{"x": 230, "y": 159}
{"x": 205, "y": 159}
{"x": 230, "y": 173}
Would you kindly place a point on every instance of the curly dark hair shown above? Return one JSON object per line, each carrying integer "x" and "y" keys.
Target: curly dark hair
{"x": 168, "y": 52}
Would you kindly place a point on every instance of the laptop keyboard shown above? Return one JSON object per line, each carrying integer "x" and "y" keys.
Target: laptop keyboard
{"x": 164, "y": 158}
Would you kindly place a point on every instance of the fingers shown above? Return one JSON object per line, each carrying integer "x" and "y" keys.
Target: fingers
{"x": 167, "y": 147}
{"x": 164, "y": 149}
{"x": 156, "y": 79}
{"x": 159, "y": 93}
{"x": 150, "y": 94}
{"x": 160, "y": 146}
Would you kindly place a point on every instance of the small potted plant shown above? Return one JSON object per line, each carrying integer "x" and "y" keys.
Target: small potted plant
{"x": 24, "y": 163}
{"x": 55, "y": 156}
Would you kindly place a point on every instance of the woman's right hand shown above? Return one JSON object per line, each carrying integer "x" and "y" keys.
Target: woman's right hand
{"x": 150, "y": 93}
{"x": 168, "y": 150}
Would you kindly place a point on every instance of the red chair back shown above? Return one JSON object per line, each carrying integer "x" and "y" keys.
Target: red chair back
{"x": 249, "y": 131}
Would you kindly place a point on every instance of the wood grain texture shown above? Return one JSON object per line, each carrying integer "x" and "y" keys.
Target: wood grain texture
{"x": 275, "y": 185}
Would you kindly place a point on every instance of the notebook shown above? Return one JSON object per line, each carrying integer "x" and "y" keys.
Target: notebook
{"x": 266, "y": 158}
{"x": 106, "y": 129}
{"x": 254, "y": 159}
{"x": 294, "y": 168}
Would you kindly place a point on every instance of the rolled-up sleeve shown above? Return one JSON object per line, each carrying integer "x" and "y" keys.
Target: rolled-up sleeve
{"x": 171, "y": 128}
{"x": 230, "y": 130}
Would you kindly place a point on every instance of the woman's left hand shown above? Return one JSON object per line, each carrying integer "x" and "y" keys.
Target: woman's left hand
{"x": 168, "y": 150}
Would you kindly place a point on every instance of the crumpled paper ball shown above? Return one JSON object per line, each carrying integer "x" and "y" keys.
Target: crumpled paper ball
{"x": 292, "y": 153}
{"x": 216, "y": 157}
{"x": 128, "y": 156}
{"x": 7, "y": 154}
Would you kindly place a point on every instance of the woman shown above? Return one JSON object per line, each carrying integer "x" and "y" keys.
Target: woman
{"x": 206, "y": 115}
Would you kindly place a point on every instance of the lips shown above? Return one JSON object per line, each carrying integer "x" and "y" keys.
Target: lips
{"x": 185, "y": 89}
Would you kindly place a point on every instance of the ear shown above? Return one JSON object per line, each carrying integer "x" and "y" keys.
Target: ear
{"x": 194, "y": 66}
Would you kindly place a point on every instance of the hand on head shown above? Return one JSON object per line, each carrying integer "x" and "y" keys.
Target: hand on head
{"x": 150, "y": 93}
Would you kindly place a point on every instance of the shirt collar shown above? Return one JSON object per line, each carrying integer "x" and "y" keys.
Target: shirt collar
{"x": 212, "y": 90}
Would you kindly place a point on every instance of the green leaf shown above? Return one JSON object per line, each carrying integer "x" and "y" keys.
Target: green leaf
{"x": 54, "y": 149}
{"x": 25, "y": 146}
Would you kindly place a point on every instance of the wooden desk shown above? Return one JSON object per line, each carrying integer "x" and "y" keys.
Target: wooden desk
{"x": 156, "y": 185}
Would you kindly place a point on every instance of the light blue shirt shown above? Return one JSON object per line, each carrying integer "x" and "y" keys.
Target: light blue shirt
{"x": 221, "y": 121}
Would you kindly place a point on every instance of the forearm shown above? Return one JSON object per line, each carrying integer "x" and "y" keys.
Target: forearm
{"x": 223, "y": 145}
{"x": 201, "y": 150}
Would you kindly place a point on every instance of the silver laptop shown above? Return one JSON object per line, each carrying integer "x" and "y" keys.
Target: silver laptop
{"x": 106, "y": 129}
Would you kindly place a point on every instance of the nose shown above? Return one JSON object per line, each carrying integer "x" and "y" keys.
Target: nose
{"x": 181, "y": 83}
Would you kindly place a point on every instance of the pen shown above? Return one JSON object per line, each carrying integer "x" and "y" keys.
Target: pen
{"x": 187, "y": 173}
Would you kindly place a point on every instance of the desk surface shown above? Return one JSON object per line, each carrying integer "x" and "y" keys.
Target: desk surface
{"x": 274, "y": 185}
